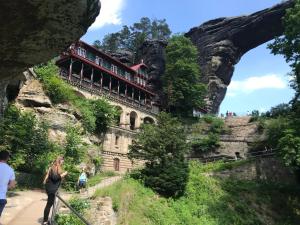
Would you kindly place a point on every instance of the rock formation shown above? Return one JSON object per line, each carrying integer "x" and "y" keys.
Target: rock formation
{"x": 123, "y": 56}
{"x": 36, "y": 31}
{"x": 222, "y": 42}
{"x": 153, "y": 54}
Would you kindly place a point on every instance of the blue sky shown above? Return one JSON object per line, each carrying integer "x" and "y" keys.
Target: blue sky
{"x": 259, "y": 81}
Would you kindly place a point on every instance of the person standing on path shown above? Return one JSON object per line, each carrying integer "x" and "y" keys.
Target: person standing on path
{"x": 7, "y": 178}
{"x": 82, "y": 180}
{"x": 52, "y": 182}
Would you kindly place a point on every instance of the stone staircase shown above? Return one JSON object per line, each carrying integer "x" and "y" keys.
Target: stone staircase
{"x": 236, "y": 143}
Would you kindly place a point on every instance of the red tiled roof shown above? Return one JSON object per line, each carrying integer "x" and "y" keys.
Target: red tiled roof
{"x": 136, "y": 67}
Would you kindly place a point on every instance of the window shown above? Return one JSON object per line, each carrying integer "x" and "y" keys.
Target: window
{"x": 81, "y": 52}
{"x": 98, "y": 61}
{"x": 117, "y": 140}
{"x": 116, "y": 164}
{"x": 114, "y": 69}
{"x": 128, "y": 76}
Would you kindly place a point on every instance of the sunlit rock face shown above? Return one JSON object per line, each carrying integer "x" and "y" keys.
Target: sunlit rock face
{"x": 34, "y": 31}
{"x": 222, "y": 42}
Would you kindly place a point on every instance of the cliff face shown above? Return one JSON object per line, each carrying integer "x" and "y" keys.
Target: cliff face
{"x": 36, "y": 31}
{"x": 222, "y": 42}
{"x": 153, "y": 53}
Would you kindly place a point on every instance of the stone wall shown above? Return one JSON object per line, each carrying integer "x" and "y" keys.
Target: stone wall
{"x": 242, "y": 133}
{"x": 101, "y": 212}
{"x": 269, "y": 169}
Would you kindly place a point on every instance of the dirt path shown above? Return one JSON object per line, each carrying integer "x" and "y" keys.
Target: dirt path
{"x": 26, "y": 207}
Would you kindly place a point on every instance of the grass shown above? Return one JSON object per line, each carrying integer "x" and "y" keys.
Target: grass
{"x": 207, "y": 201}
{"x": 92, "y": 181}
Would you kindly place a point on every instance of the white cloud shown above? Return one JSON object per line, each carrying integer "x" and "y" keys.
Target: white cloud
{"x": 110, "y": 13}
{"x": 270, "y": 81}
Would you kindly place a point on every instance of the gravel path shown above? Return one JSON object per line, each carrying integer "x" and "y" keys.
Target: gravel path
{"x": 26, "y": 207}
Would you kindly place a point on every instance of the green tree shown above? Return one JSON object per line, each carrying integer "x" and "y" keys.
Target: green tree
{"x": 163, "y": 147}
{"x": 24, "y": 137}
{"x": 288, "y": 45}
{"x": 289, "y": 146}
{"x": 131, "y": 38}
{"x": 181, "y": 81}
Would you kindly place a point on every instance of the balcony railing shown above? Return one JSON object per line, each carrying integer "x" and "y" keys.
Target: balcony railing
{"x": 95, "y": 88}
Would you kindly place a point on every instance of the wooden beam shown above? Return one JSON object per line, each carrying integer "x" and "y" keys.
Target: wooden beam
{"x": 92, "y": 77}
{"x": 118, "y": 87}
{"x": 81, "y": 73}
{"x": 70, "y": 69}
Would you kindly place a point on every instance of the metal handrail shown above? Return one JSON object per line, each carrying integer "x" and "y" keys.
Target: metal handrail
{"x": 55, "y": 210}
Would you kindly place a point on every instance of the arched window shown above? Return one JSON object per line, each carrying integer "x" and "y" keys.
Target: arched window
{"x": 148, "y": 120}
{"x": 116, "y": 164}
{"x": 133, "y": 120}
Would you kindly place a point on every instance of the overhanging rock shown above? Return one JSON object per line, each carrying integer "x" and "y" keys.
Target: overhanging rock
{"x": 34, "y": 31}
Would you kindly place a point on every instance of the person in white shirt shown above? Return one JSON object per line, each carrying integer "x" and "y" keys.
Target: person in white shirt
{"x": 7, "y": 178}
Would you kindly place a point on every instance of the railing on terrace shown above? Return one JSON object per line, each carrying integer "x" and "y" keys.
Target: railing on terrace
{"x": 95, "y": 89}
{"x": 55, "y": 210}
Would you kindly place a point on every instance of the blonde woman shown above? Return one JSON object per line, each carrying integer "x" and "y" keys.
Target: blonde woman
{"x": 52, "y": 182}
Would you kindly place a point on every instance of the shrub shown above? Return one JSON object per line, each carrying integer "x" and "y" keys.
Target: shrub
{"x": 57, "y": 90}
{"x": 96, "y": 115}
{"x": 163, "y": 146}
{"x": 26, "y": 139}
{"x": 205, "y": 135}
{"x": 79, "y": 205}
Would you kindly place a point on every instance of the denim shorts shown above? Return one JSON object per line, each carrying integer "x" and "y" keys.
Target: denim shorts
{"x": 2, "y": 205}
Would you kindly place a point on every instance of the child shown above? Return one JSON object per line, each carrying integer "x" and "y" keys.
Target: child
{"x": 82, "y": 180}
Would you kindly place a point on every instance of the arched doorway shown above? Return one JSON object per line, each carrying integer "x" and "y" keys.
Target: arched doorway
{"x": 133, "y": 120}
{"x": 116, "y": 164}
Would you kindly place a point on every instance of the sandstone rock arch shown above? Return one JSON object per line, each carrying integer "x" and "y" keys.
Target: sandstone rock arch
{"x": 222, "y": 42}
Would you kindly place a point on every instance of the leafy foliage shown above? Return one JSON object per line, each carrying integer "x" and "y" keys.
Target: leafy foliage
{"x": 80, "y": 205}
{"x": 163, "y": 147}
{"x": 205, "y": 134}
{"x": 289, "y": 44}
{"x": 282, "y": 133}
{"x": 26, "y": 139}
{"x": 96, "y": 115}
{"x": 57, "y": 90}
{"x": 131, "y": 38}
{"x": 207, "y": 200}
{"x": 181, "y": 81}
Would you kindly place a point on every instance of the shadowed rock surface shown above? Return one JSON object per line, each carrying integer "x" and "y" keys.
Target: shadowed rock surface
{"x": 222, "y": 42}
{"x": 154, "y": 55}
{"x": 34, "y": 31}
